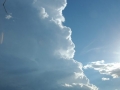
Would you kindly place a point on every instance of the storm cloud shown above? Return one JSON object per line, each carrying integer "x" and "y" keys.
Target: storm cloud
{"x": 37, "y": 52}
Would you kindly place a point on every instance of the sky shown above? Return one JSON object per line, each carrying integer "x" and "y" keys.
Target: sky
{"x": 59, "y": 45}
{"x": 95, "y": 28}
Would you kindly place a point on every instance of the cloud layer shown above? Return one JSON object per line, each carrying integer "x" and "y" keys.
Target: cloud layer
{"x": 112, "y": 69}
{"x": 37, "y": 51}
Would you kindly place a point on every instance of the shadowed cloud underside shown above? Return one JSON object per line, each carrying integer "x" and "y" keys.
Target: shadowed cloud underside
{"x": 37, "y": 52}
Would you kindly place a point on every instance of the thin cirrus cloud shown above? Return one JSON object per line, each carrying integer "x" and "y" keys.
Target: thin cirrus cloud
{"x": 112, "y": 69}
{"x": 37, "y": 51}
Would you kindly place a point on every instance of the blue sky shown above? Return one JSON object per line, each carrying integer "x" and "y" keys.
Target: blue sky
{"x": 95, "y": 28}
{"x": 59, "y": 45}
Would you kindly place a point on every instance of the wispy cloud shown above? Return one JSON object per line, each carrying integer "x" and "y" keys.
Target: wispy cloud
{"x": 97, "y": 49}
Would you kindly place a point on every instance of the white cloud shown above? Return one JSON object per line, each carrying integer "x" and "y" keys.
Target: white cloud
{"x": 79, "y": 86}
{"x": 38, "y": 53}
{"x": 1, "y": 37}
{"x": 104, "y": 79}
{"x": 67, "y": 85}
{"x": 8, "y": 17}
{"x": 112, "y": 69}
{"x": 43, "y": 13}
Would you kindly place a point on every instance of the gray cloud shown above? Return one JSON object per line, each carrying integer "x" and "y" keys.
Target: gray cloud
{"x": 37, "y": 53}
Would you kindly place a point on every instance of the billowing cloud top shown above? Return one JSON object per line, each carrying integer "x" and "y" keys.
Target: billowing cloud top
{"x": 37, "y": 51}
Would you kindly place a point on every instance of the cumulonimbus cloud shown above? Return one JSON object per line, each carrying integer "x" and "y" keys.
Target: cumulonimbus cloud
{"x": 38, "y": 52}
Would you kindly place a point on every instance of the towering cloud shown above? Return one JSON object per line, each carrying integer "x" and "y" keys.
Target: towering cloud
{"x": 37, "y": 52}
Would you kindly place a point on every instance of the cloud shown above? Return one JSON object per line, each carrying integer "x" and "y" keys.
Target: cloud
{"x": 104, "y": 79}
{"x": 112, "y": 69}
{"x": 38, "y": 52}
{"x": 43, "y": 14}
{"x": 78, "y": 86}
{"x": 8, "y": 17}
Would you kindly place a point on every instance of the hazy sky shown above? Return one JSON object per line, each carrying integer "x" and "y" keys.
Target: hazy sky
{"x": 59, "y": 45}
